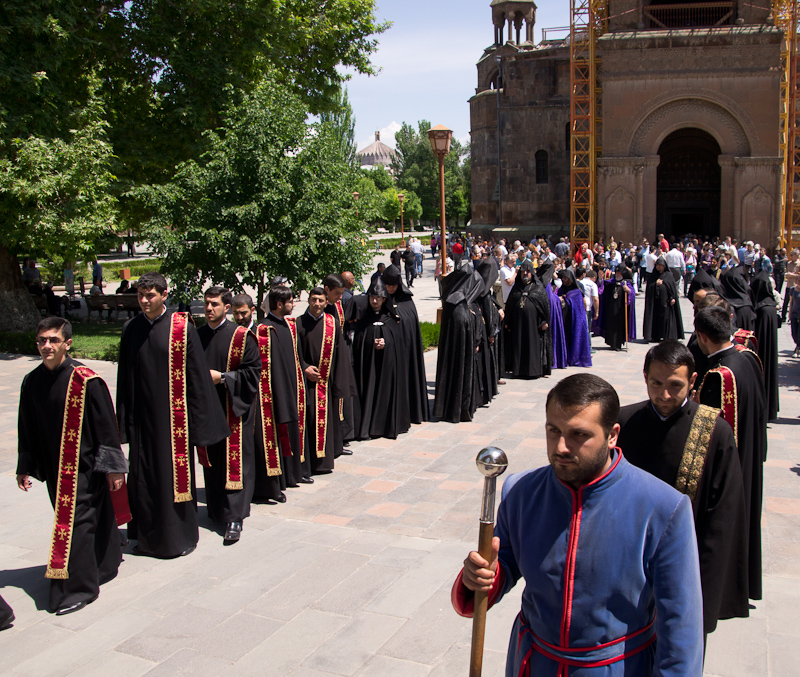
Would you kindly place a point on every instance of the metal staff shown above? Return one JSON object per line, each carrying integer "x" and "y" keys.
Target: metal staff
{"x": 492, "y": 463}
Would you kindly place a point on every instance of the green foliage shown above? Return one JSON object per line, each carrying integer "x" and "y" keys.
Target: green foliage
{"x": 18, "y": 342}
{"x": 270, "y": 197}
{"x": 380, "y": 176}
{"x": 91, "y": 341}
{"x": 390, "y": 242}
{"x": 412, "y": 207}
{"x": 343, "y": 128}
{"x": 113, "y": 270}
{"x": 370, "y": 201}
{"x": 430, "y": 334}
{"x": 391, "y": 205}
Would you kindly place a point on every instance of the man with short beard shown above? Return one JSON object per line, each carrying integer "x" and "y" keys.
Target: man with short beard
{"x": 243, "y": 310}
{"x": 608, "y": 553}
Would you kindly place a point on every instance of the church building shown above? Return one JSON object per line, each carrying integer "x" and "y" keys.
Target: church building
{"x": 688, "y": 129}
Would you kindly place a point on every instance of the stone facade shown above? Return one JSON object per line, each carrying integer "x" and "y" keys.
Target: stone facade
{"x": 660, "y": 85}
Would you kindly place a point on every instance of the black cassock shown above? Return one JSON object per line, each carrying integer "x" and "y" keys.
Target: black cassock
{"x": 529, "y": 350}
{"x": 702, "y": 280}
{"x": 310, "y": 332}
{"x": 751, "y": 439}
{"x": 613, "y": 318}
{"x": 284, "y": 413}
{"x": 163, "y": 528}
{"x": 96, "y": 547}
{"x": 381, "y": 376}
{"x": 657, "y": 446}
{"x": 766, "y": 329}
{"x": 241, "y": 386}
{"x": 349, "y": 415}
{"x": 461, "y": 338}
{"x": 406, "y": 310}
{"x": 662, "y": 318}
{"x": 737, "y": 293}
{"x": 494, "y": 358}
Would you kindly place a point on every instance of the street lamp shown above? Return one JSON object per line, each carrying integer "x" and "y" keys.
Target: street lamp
{"x": 355, "y": 199}
{"x": 402, "y": 231}
{"x": 440, "y": 137}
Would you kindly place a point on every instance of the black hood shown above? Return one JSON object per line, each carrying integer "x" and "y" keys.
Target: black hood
{"x": 735, "y": 288}
{"x": 762, "y": 290}
{"x": 462, "y": 284}
{"x": 489, "y": 274}
{"x": 392, "y": 275}
{"x": 702, "y": 280}
{"x": 546, "y": 271}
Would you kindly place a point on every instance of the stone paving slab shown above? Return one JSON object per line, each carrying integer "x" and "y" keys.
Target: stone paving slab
{"x": 352, "y": 575}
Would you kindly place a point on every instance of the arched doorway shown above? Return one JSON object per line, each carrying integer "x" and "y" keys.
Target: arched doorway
{"x": 688, "y": 184}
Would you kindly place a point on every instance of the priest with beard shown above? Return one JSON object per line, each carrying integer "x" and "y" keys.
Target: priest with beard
{"x": 401, "y": 304}
{"x": 618, "y": 309}
{"x": 690, "y": 447}
{"x": 737, "y": 293}
{"x": 229, "y": 466}
{"x": 461, "y": 338}
{"x": 68, "y": 439}
{"x": 529, "y": 352}
{"x": 493, "y": 356}
{"x": 662, "y": 310}
{"x": 379, "y": 353}
{"x": 766, "y": 330}
{"x": 281, "y": 406}
{"x": 328, "y": 379}
{"x": 545, "y": 273}
{"x": 576, "y": 327}
{"x": 166, "y": 404}
{"x": 735, "y": 385}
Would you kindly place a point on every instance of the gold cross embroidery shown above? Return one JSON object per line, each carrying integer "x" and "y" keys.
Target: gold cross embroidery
{"x": 69, "y": 468}
{"x": 178, "y": 432}
{"x": 729, "y": 397}
{"x": 75, "y": 400}
{"x": 62, "y": 533}
{"x": 71, "y": 435}
{"x": 178, "y": 402}
{"x": 65, "y": 500}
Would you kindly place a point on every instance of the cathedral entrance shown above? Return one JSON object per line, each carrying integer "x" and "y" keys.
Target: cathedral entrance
{"x": 688, "y": 184}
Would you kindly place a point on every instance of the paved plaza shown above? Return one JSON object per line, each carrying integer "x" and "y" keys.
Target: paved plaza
{"x": 352, "y": 575}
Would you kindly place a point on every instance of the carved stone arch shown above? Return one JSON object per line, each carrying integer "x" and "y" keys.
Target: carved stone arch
{"x": 697, "y": 113}
{"x": 620, "y": 215}
{"x": 757, "y": 210}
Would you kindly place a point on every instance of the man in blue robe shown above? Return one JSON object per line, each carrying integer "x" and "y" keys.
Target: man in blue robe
{"x": 608, "y": 553}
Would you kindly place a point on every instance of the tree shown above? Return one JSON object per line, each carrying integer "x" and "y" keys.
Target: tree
{"x": 391, "y": 206}
{"x": 370, "y": 201}
{"x": 343, "y": 126}
{"x": 380, "y": 177}
{"x": 270, "y": 197}
{"x": 412, "y": 207}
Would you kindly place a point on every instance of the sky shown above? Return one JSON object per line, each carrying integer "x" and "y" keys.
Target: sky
{"x": 427, "y": 61}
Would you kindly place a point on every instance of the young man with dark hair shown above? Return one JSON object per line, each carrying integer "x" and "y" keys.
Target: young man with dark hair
{"x": 328, "y": 379}
{"x": 166, "y": 405}
{"x": 68, "y": 439}
{"x": 243, "y": 308}
{"x": 608, "y": 553}
{"x": 688, "y": 446}
{"x": 735, "y": 385}
{"x": 235, "y": 367}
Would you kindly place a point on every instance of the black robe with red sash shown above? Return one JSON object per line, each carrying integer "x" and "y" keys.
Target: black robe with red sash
{"x": 96, "y": 546}
{"x": 241, "y": 390}
{"x": 657, "y": 446}
{"x": 163, "y": 527}
{"x": 744, "y": 406}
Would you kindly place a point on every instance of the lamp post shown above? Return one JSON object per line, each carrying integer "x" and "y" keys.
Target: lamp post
{"x": 402, "y": 230}
{"x": 355, "y": 199}
{"x": 440, "y": 137}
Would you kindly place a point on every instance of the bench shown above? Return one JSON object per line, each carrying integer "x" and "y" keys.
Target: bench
{"x": 110, "y": 302}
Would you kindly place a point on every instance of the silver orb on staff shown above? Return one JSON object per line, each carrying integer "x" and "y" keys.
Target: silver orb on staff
{"x": 492, "y": 462}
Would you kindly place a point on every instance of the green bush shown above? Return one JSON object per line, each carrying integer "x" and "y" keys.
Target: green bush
{"x": 389, "y": 243}
{"x": 430, "y": 334}
{"x": 111, "y": 270}
{"x": 18, "y": 342}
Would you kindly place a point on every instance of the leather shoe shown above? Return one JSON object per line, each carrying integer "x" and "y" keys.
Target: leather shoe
{"x": 7, "y": 620}
{"x": 281, "y": 498}
{"x": 306, "y": 480}
{"x": 72, "y": 608}
{"x": 233, "y": 531}
{"x": 347, "y": 452}
{"x": 188, "y": 550}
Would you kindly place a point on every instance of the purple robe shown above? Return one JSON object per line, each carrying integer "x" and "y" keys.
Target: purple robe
{"x": 597, "y": 325}
{"x": 579, "y": 343}
{"x": 557, "y": 330}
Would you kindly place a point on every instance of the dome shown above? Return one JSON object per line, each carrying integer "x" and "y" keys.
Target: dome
{"x": 377, "y": 153}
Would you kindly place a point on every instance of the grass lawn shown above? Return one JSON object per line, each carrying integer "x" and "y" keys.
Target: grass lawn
{"x": 92, "y": 341}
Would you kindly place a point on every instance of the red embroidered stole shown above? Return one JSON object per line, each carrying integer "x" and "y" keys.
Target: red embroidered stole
{"x": 340, "y": 314}
{"x": 69, "y": 458}
{"x": 233, "y": 444}
{"x": 264, "y": 334}
{"x": 325, "y": 360}
{"x": 728, "y": 396}
{"x": 744, "y": 349}
{"x": 179, "y": 419}
{"x": 301, "y": 389}
{"x": 746, "y": 339}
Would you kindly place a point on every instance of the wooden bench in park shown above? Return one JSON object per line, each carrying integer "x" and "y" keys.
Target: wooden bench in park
{"x": 110, "y": 303}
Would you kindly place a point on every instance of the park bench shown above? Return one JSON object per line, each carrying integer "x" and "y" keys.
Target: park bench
{"x": 110, "y": 302}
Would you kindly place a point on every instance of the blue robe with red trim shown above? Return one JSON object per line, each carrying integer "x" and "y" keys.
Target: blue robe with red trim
{"x": 616, "y": 560}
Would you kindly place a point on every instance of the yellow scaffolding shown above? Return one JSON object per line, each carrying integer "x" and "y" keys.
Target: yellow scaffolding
{"x": 785, "y": 13}
{"x": 588, "y": 20}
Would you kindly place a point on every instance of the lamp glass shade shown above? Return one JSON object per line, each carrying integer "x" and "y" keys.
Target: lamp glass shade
{"x": 400, "y": 197}
{"x": 356, "y": 195}
{"x": 440, "y": 137}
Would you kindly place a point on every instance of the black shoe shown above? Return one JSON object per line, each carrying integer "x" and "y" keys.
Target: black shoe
{"x": 306, "y": 480}
{"x": 188, "y": 550}
{"x": 347, "y": 452}
{"x": 281, "y": 498}
{"x": 72, "y": 608}
{"x": 7, "y": 620}
{"x": 233, "y": 531}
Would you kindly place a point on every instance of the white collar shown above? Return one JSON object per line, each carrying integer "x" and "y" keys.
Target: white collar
{"x": 152, "y": 322}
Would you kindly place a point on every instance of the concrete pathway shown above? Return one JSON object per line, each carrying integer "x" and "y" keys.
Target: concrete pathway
{"x": 352, "y": 575}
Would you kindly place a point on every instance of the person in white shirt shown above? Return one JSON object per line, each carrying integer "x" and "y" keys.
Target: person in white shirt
{"x": 591, "y": 297}
{"x": 508, "y": 275}
{"x": 675, "y": 263}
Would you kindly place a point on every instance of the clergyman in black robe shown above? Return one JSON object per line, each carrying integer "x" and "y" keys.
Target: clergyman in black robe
{"x": 96, "y": 547}
{"x": 737, "y": 293}
{"x": 655, "y": 436}
{"x": 164, "y": 528}
{"x": 662, "y": 310}
{"x": 493, "y": 320}
{"x": 529, "y": 351}
{"x": 617, "y": 316}
{"x": 460, "y": 339}
{"x": 310, "y": 332}
{"x": 766, "y": 330}
{"x": 239, "y": 387}
{"x": 743, "y": 405}
{"x": 401, "y": 298}
{"x": 380, "y": 369}
{"x": 702, "y": 280}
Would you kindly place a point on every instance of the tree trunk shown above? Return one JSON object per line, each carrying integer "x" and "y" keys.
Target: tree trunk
{"x": 17, "y": 312}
